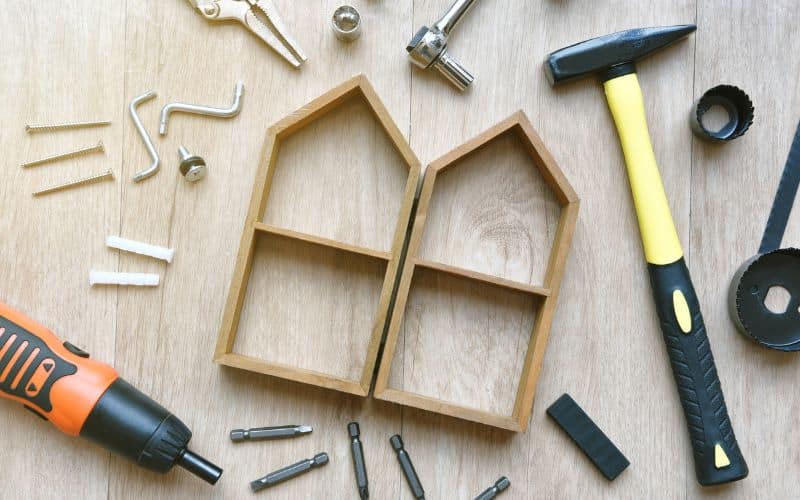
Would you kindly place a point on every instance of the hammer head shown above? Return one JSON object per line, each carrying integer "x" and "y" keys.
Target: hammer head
{"x": 611, "y": 54}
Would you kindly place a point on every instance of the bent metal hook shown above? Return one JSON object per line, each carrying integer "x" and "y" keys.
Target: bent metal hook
{"x": 149, "y": 172}
{"x": 234, "y": 110}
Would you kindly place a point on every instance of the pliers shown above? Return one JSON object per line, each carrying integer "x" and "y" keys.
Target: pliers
{"x": 258, "y": 16}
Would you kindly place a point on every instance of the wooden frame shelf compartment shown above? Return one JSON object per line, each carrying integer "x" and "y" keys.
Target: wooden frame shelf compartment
{"x": 295, "y": 250}
{"x": 446, "y": 297}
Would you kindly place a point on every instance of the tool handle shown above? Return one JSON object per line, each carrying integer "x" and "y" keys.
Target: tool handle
{"x": 453, "y": 16}
{"x": 659, "y": 237}
{"x": 717, "y": 456}
{"x": 54, "y": 379}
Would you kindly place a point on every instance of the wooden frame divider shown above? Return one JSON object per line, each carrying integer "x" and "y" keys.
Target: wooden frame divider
{"x": 355, "y": 88}
{"x": 519, "y": 125}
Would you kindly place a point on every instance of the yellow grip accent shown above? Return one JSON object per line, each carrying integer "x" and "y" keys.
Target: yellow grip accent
{"x": 721, "y": 459}
{"x": 659, "y": 237}
{"x": 682, "y": 313}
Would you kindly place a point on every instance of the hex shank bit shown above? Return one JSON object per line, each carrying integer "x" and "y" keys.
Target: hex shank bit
{"x": 408, "y": 467}
{"x": 289, "y": 472}
{"x": 359, "y": 464}
{"x": 500, "y": 486}
{"x": 269, "y": 433}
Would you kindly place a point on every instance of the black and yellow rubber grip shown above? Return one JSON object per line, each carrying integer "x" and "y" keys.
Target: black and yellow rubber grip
{"x": 717, "y": 456}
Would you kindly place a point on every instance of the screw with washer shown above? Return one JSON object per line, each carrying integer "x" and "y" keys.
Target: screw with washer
{"x": 193, "y": 167}
{"x": 32, "y": 129}
{"x": 107, "y": 175}
{"x": 97, "y": 148}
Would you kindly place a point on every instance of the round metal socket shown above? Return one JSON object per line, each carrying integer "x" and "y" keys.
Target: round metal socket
{"x": 346, "y": 23}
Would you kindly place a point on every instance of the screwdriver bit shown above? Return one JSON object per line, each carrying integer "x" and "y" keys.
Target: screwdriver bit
{"x": 289, "y": 472}
{"x": 500, "y": 486}
{"x": 269, "y": 433}
{"x": 408, "y": 467}
{"x": 359, "y": 464}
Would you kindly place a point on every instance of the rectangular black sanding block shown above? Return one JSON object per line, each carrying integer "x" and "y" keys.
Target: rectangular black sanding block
{"x": 589, "y": 438}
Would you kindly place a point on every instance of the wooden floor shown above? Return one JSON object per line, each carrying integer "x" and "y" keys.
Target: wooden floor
{"x": 87, "y": 59}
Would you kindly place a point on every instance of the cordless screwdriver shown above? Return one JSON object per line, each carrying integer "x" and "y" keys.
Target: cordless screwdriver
{"x": 82, "y": 397}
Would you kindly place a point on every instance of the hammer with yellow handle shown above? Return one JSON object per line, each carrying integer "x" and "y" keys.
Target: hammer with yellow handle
{"x": 612, "y": 57}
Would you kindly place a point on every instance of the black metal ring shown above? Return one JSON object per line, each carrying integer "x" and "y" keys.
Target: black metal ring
{"x": 740, "y": 113}
{"x": 780, "y": 331}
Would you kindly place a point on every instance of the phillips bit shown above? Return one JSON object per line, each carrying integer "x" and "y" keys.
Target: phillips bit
{"x": 359, "y": 464}
{"x": 289, "y": 472}
{"x": 500, "y": 486}
{"x": 269, "y": 433}
{"x": 408, "y": 467}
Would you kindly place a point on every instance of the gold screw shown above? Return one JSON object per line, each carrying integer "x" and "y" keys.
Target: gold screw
{"x": 107, "y": 175}
{"x": 63, "y": 156}
{"x": 32, "y": 129}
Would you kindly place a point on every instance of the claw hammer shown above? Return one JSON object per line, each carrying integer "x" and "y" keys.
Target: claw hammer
{"x": 716, "y": 453}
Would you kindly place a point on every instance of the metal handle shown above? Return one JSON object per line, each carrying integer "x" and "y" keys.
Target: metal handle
{"x": 453, "y": 16}
{"x": 153, "y": 168}
{"x": 196, "y": 109}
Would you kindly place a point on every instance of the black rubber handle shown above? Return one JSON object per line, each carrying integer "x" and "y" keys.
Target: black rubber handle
{"x": 717, "y": 458}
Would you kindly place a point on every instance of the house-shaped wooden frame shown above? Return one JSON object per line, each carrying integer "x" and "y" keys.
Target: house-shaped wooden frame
{"x": 356, "y": 88}
{"x": 547, "y": 294}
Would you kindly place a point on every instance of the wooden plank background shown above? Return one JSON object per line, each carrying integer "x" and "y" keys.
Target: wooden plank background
{"x": 85, "y": 59}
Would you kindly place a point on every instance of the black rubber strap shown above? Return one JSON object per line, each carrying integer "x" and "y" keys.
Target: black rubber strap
{"x": 782, "y": 206}
{"x": 589, "y": 438}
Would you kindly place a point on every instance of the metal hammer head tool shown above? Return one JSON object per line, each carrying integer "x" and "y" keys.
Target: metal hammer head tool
{"x": 429, "y": 46}
{"x": 612, "y": 57}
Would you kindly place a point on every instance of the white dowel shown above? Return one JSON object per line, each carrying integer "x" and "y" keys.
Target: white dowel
{"x": 154, "y": 251}
{"x": 125, "y": 279}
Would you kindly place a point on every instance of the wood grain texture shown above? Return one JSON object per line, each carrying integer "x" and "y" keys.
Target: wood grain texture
{"x": 355, "y": 199}
{"x": 310, "y": 306}
{"x": 490, "y": 214}
{"x": 462, "y": 341}
{"x": 87, "y": 59}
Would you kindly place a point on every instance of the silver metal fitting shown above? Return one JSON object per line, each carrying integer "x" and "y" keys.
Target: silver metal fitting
{"x": 346, "y": 23}
{"x": 178, "y": 107}
{"x": 193, "y": 167}
{"x": 428, "y": 48}
{"x": 153, "y": 168}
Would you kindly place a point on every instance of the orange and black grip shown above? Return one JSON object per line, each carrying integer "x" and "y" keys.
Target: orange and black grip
{"x": 52, "y": 378}
{"x": 86, "y": 398}
{"x": 717, "y": 458}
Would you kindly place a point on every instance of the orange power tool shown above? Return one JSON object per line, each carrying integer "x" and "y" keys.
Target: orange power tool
{"x": 86, "y": 398}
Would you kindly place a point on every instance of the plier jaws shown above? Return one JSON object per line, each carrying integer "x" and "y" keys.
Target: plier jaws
{"x": 259, "y": 16}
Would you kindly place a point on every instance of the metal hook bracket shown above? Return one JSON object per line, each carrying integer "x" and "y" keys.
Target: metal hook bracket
{"x": 150, "y": 171}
